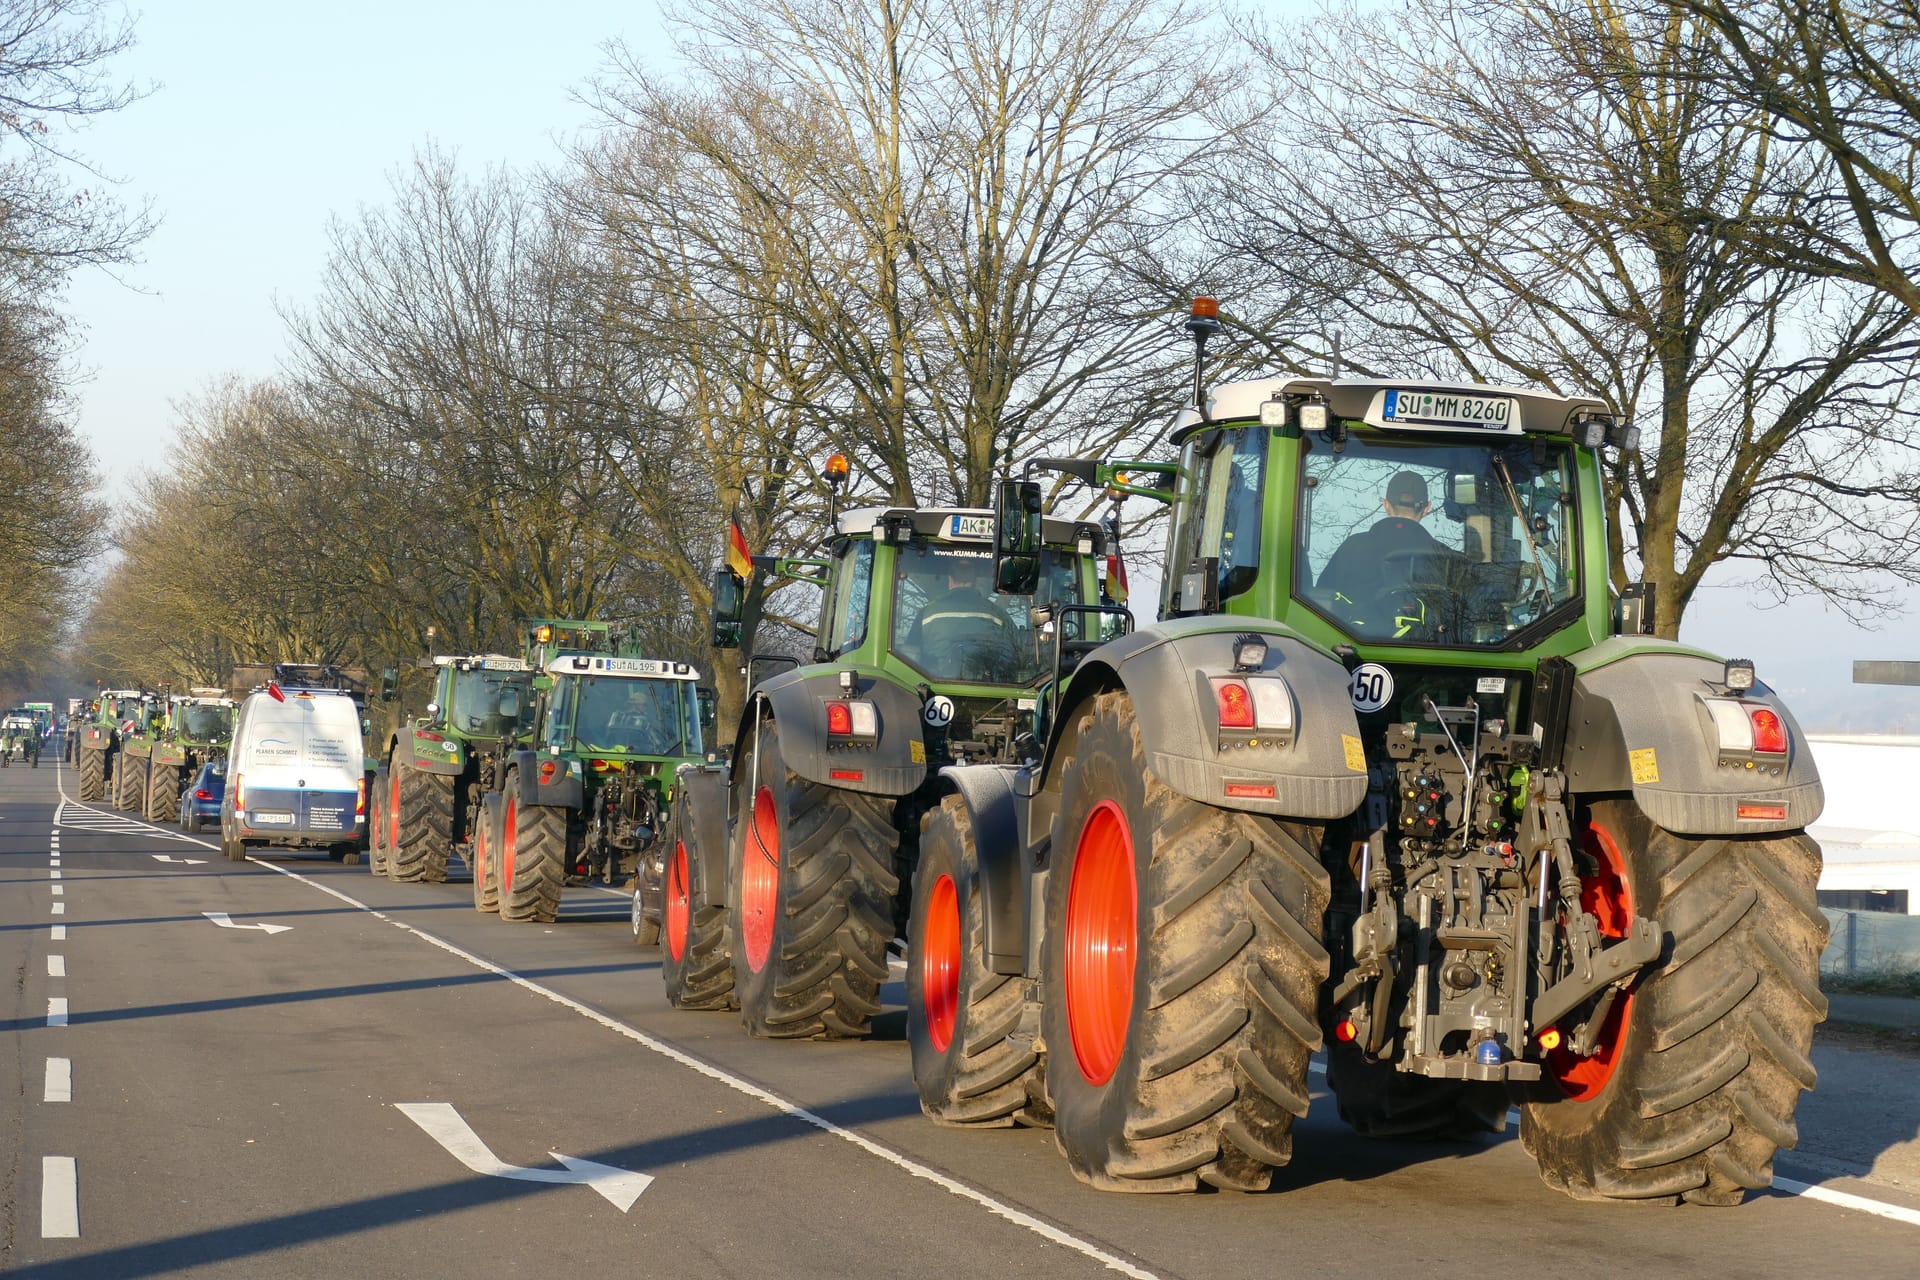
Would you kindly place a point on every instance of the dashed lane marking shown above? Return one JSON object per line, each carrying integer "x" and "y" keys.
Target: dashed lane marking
{"x": 56, "y": 966}
{"x": 59, "y": 908}
{"x": 59, "y": 933}
{"x": 56, "y": 1011}
{"x": 59, "y": 1086}
{"x": 59, "y": 889}
{"x": 59, "y": 1198}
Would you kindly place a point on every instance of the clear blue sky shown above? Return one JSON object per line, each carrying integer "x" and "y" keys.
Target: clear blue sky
{"x": 268, "y": 118}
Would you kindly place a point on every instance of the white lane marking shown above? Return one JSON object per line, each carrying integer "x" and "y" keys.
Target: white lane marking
{"x": 59, "y": 889}
{"x": 226, "y": 922}
{"x": 59, "y": 908}
{"x": 619, "y": 1187}
{"x": 56, "y": 966}
{"x": 56, "y": 1011}
{"x": 55, "y": 873}
{"x": 192, "y": 862}
{"x": 59, "y": 933}
{"x": 1847, "y": 1200}
{"x": 59, "y": 1080}
{"x": 59, "y": 1198}
{"x": 1000, "y": 1209}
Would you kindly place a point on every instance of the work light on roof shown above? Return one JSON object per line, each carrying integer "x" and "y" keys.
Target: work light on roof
{"x": 1739, "y": 674}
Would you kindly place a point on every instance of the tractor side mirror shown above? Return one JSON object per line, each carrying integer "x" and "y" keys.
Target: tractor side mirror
{"x": 729, "y": 603}
{"x": 709, "y": 700}
{"x": 389, "y": 684}
{"x": 509, "y": 704}
{"x": 1464, "y": 490}
{"x": 1634, "y": 611}
{"x": 1016, "y": 537}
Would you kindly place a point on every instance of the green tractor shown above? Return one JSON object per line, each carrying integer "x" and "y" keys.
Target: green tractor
{"x": 198, "y": 728}
{"x": 114, "y": 714}
{"x": 586, "y": 794}
{"x": 1396, "y": 771}
{"x": 434, "y": 768}
{"x": 19, "y": 738}
{"x": 789, "y": 868}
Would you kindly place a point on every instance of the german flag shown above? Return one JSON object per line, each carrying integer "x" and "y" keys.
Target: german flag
{"x": 739, "y": 558}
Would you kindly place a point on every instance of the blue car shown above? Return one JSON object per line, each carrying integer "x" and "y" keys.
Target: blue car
{"x": 200, "y": 802}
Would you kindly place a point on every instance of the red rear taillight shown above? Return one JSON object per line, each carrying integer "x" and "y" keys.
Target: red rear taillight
{"x": 1234, "y": 703}
{"x": 839, "y": 719}
{"x": 547, "y": 769}
{"x": 239, "y": 795}
{"x": 202, "y": 794}
{"x": 360, "y": 800}
{"x": 1769, "y": 734}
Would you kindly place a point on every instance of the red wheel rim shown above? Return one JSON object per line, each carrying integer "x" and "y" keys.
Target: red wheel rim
{"x": 393, "y": 811}
{"x": 1604, "y": 893}
{"x": 1102, "y": 910}
{"x": 679, "y": 902}
{"x": 509, "y": 845}
{"x": 760, "y": 881}
{"x": 940, "y": 962}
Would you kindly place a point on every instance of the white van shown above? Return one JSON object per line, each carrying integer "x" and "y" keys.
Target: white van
{"x": 295, "y": 773}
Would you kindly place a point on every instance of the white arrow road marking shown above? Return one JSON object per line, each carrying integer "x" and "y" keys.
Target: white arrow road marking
{"x": 225, "y": 922}
{"x": 619, "y": 1187}
{"x": 192, "y": 862}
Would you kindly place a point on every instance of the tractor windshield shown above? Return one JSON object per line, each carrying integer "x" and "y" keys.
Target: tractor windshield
{"x": 1435, "y": 542}
{"x": 951, "y": 625}
{"x": 633, "y": 716}
{"x": 206, "y": 723}
{"x": 476, "y": 702}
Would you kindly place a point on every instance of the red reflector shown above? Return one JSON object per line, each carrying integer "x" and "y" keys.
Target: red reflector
{"x": 547, "y": 769}
{"x": 1769, "y": 735}
{"x": 847, "y": 775}
{"x": 1762, "y": 813}
{"x": 1235, "y": 705}
{"x": 1251, "y": 790}
{"x": 1343, "y": 1031}
{"x": 840, "y": 719}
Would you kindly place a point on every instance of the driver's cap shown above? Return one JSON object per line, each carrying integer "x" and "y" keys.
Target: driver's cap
{"x": 1407, "y": 489}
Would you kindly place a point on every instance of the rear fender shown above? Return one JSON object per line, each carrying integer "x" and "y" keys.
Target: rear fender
{"x": 428, "y": 756}
{"x": 1319, "y": 775}
{"x": 562, "y": 791}
{"x": 893, "y": 765}
{"x": 1006, "y": 863}
{"x": 1637, "y": 724}
{"x": 703, "y": 790}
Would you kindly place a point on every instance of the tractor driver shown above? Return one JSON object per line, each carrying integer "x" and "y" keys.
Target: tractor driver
{"x": 1370, "y": 562}
{"x": 641, "y": 724}
{"x": 961, "y": 632}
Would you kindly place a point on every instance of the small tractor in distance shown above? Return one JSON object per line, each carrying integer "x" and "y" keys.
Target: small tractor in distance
{"x": 787, "y": 874}
{"x": 198, "y": 729}
{"x": 434, "y": 768}
{"x": 586, "y": 792}
{"x": 19, "y": 738}
{"x": 1392, "y": 768}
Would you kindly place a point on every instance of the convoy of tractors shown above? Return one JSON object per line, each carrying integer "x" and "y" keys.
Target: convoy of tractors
{"x": 1395, "y": 775}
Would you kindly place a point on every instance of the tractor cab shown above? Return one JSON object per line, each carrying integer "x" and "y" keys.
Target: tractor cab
{"x": 482, "y": 696}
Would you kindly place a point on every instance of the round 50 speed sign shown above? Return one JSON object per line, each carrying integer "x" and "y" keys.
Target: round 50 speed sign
{"x": 1371, "y": 687}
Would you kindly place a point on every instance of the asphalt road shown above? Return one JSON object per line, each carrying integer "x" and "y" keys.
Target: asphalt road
{"x": 182, "y": 1097}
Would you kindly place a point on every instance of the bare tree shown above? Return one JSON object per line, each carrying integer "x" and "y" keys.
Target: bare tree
{"x": 1508, "y": 192}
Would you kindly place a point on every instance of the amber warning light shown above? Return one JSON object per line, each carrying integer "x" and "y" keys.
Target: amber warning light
{"x": 1205, "y": 308}
{"x": 835, "y": 469}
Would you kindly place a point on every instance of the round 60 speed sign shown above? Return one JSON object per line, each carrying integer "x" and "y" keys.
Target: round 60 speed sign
{"x": 1371, "y": 687}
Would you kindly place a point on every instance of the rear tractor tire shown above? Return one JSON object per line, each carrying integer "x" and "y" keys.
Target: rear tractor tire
{"x": 379, "y": 823}
{"x": 424, "y": 834}
{"x": 1182, "y": 974}
{"x": 961, "y": 1016}
{"x": 533, "y": 859}
{"x": 163, "y": 794}
{"x": 484, "y": 854}
{"x": 130, "y": 783}
{"x": 811, "y": 900}
{"x": 697, "y": 941}
{"x": 1698, "y": 1070}
{"x": 93, "y": 773}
